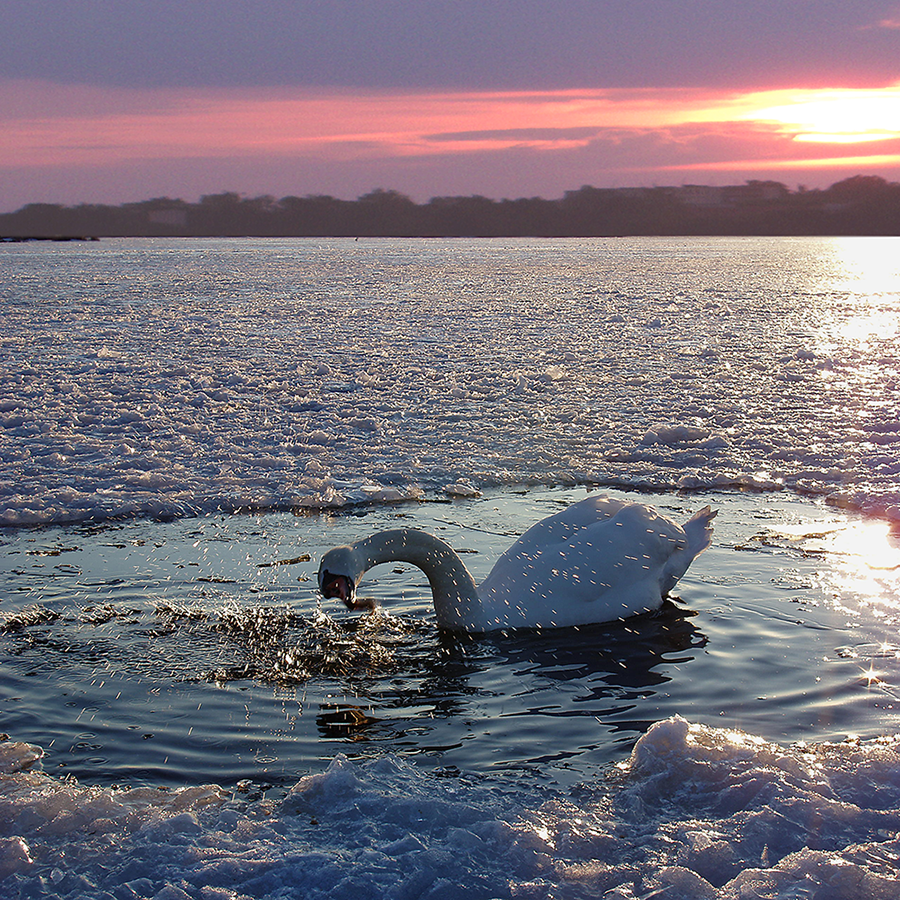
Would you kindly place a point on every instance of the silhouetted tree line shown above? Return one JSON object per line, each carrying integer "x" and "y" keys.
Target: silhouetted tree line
{"x": 863, "y": 204}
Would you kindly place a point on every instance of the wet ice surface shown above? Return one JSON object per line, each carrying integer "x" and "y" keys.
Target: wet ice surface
{"x": 347, "y": 756}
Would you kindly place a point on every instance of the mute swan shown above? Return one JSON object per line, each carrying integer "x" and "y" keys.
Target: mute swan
{"x": 597, "y": 560}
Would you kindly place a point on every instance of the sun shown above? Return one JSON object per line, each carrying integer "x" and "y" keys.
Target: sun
{"x": 844, "y": 116}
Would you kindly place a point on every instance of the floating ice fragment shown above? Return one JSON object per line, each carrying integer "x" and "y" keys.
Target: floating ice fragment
{"x": 372, "y": 491}
{"x": 361, "y": 423}
{"x": 674, "y": 434}
{"x": 15, "y": 856}
{"x": 554, "y": 373}
{"x": 326, "y": 499}
{"x": 461, "y": 489}
{"x": 19, "y": 757}
{"x": 314, "y": 792}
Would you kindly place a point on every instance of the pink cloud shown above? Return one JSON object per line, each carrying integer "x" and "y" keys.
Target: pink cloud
{"x": 108, "y": 126}
{"x": 80, "y": 142}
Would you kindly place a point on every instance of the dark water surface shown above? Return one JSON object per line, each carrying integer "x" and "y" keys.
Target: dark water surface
{"x": 197, "y": 650}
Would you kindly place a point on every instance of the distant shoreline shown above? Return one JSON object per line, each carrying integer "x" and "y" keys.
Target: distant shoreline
{"x": 864, "y": 205}
{"x": 58, "y": 238}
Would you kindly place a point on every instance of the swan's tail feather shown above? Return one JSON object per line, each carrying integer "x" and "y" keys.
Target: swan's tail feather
{"x": 699, "y": 530}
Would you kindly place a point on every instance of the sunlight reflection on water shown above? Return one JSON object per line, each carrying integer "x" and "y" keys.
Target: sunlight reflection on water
{"x": 865, "y": 557}
{"x": 868, "y": 274}
{"x": 868, "y": 567}
{"x": 870, "y": 266}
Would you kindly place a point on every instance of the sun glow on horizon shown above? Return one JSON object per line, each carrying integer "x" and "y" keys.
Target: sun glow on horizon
{"x": 847, "y": 116}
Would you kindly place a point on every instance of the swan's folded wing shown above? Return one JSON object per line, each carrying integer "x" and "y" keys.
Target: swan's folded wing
{"x": 567, "y": 523}
{"x": 611, "y": 568}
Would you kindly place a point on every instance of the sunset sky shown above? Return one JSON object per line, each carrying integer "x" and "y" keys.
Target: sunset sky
{"x": 110, "y": 101}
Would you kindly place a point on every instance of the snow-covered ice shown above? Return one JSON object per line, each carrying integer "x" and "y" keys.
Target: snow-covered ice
{"x": 276, "y": 375}
{"x": 695, "y": 812}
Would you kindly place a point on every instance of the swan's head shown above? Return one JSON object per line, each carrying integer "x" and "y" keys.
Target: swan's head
{"x": 339, "y": 572}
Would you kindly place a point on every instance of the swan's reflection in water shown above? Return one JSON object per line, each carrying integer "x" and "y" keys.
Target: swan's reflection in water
{"x": 264, "y": 693}
{"x": 517, "y": 698}
{"x": 345, "y": 721}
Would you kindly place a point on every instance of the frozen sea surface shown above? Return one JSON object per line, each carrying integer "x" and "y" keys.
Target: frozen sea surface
{"x": 185, "y": 426}
{"x": 173, "y": 377}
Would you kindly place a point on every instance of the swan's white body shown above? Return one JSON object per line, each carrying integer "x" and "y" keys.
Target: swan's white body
{"x": 598, "y": 560}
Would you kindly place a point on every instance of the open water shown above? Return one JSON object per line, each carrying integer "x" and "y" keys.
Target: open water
{"x": 186, "y": 425}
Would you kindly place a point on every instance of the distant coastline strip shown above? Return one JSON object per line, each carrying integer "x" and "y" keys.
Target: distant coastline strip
{"x": 860, "y": 205}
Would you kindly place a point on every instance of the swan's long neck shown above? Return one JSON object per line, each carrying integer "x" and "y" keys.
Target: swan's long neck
{"x": 456, "y": 601}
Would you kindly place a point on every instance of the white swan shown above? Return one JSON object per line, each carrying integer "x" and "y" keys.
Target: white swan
{"x": 597, "y": 560}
